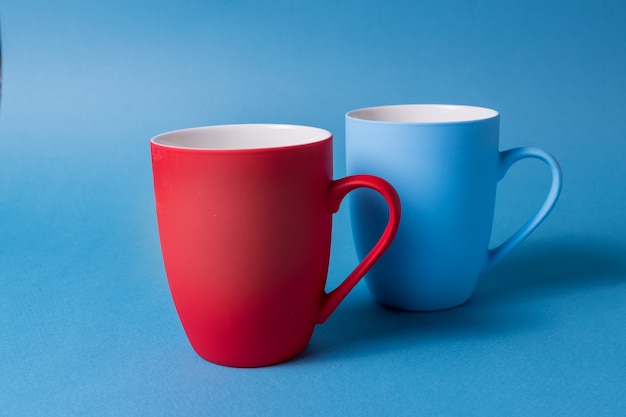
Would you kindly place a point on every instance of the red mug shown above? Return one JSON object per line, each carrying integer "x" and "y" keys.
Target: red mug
{"x": 244, "y": 215}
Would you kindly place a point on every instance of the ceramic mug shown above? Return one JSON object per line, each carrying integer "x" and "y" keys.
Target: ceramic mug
{"x": 244, "y": 215}
{"x": 445, "y": 163}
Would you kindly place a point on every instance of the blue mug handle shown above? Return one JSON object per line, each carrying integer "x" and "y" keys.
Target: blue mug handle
{"x": 507, "y": 159}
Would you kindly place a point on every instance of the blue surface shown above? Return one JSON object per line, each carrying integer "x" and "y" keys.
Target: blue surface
{"x": 87, "y": 326}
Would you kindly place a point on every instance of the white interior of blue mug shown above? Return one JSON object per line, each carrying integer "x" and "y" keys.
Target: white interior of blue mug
{"x": 423, "y": 113}
{"x": 242, "y": 136}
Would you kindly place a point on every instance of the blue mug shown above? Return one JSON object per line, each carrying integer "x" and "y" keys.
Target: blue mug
{"x": 445, "y": 163}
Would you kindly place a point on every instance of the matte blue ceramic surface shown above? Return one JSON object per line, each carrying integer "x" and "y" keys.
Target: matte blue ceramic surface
{"x": 445, "y": 163}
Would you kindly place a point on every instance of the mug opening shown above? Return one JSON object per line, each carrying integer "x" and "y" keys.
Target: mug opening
{"x": 242, "y": 136}
{"x": 423, "y": 113}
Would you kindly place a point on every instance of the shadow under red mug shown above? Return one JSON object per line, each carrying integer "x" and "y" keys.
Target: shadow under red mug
{"x": 245, "y": 215}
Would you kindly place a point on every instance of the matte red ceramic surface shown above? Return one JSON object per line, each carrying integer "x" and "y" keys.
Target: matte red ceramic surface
{"x": 245, "y": 237}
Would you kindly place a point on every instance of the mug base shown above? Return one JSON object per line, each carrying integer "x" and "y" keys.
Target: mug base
{"x": 422, "y": 308}
{"x": 246, "y": 364}
{"x": 255, "y": 358}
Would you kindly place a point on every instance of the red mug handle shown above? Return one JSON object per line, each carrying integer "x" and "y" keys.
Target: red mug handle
{"x": 338, "y": 191}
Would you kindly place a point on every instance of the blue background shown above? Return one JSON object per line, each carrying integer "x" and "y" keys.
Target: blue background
{"x": 87, "y": 326}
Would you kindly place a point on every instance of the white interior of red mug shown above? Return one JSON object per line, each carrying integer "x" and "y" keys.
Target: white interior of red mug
{"x": 423, "y": 113}
{"x": 242, "y": 136}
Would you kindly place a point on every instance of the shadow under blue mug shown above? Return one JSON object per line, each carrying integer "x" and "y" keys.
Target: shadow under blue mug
{"x": 445, "y": 163}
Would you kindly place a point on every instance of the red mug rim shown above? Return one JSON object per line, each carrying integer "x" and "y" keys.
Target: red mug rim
{"x": 241, "y": 137}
